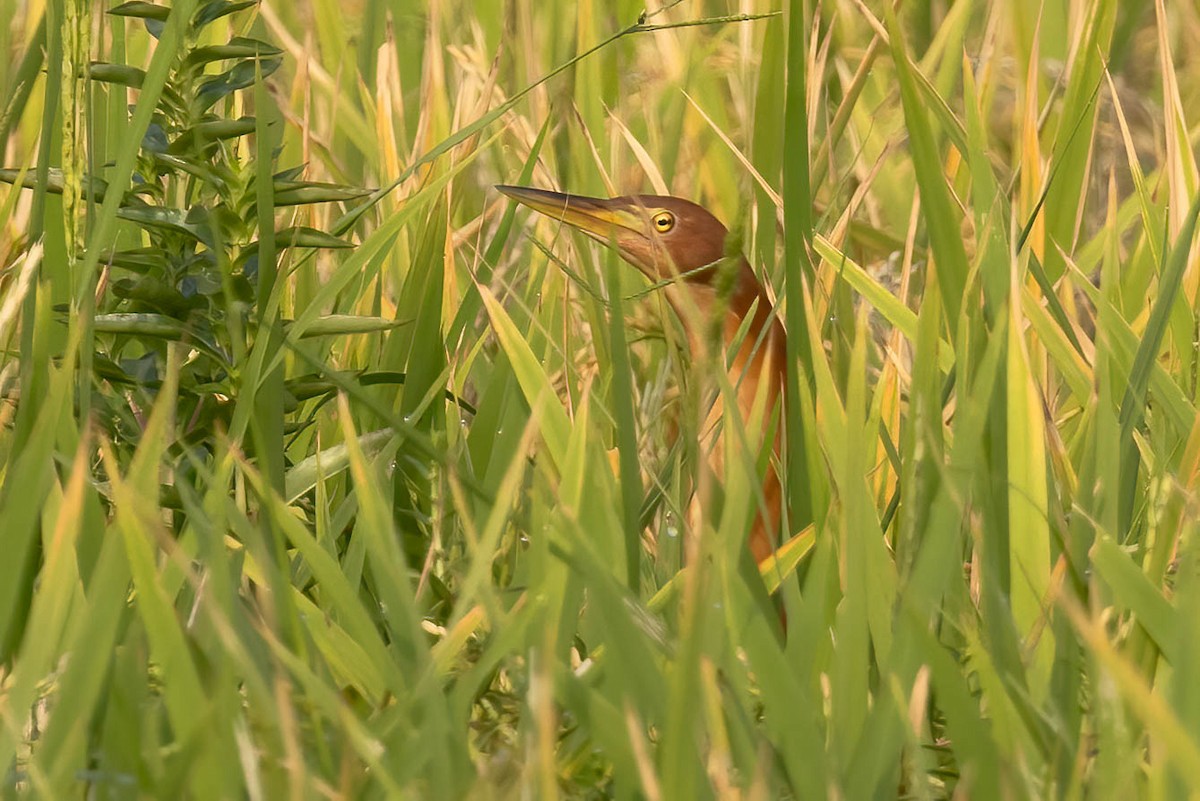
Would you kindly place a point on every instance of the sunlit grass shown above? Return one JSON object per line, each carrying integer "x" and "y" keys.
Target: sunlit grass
{"x": 406, "y": 557}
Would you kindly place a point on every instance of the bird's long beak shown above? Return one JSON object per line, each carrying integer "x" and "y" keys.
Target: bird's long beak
{"x": 599, "y": 218}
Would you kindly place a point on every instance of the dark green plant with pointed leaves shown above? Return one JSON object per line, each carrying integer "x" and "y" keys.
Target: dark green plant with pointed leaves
{"x": 192, "y": 278}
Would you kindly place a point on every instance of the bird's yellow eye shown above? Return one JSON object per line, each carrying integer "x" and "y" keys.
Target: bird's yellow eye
{"x": 664, "y": 221}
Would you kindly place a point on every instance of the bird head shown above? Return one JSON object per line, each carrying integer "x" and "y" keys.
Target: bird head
{"x": 662, "y": 236}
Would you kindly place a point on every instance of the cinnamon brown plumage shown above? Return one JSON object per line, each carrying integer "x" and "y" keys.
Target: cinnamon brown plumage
{"x": 677, "y": 242}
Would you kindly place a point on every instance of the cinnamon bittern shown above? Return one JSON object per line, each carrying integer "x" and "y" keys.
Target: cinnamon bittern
{"x": 681, "y": 245}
